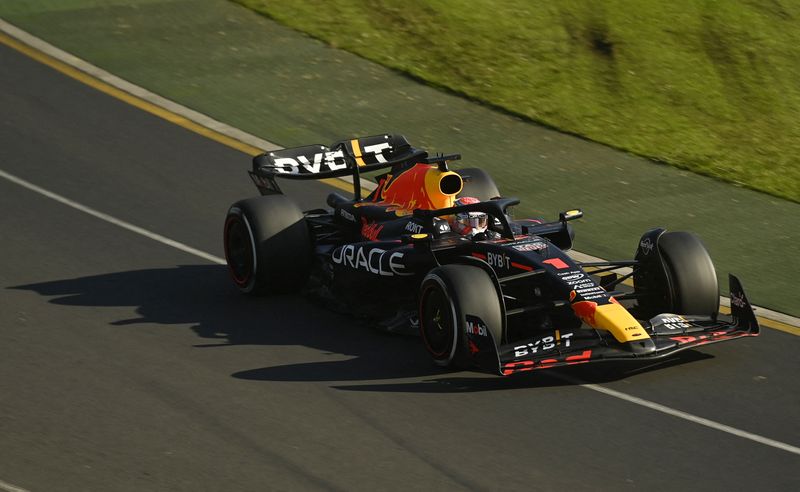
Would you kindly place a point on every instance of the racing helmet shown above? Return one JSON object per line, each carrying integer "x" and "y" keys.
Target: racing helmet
{"x": 470, "y": 223}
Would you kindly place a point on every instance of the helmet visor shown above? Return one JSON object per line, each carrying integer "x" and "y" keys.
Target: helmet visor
{"x": 476, "y": 221}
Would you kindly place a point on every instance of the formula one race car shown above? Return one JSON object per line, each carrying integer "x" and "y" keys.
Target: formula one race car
{"x": 437, "y": 252}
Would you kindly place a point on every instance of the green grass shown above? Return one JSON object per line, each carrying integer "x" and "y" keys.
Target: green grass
{"x": 709, "y": 86}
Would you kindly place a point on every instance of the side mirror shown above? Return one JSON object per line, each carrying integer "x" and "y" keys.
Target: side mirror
{"x": 570, "y": 215}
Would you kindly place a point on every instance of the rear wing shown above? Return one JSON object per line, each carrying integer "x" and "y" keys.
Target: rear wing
{"x": 343, "y": 158}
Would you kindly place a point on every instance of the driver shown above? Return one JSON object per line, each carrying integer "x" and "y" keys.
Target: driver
{"x": 469, "y": 223}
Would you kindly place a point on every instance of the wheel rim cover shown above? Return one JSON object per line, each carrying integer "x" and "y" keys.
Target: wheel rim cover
{"x": 238, "y": 251}
{"x": 436, "y": 322}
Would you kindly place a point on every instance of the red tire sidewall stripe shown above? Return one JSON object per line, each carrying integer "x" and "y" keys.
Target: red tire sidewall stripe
{"x": 246, "y": 280}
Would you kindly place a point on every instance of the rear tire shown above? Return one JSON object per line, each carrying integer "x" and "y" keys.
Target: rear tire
{"x": 478, "y": 184}
{"x": 267, "y": 245}
{"x": 447, "y": 295}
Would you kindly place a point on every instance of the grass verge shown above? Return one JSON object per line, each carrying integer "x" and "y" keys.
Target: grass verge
{"x": 706, "y": 86}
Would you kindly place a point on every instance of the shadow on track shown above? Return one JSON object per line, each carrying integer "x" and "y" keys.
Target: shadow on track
{"x": 203, "y": 297}
{"x": 563, "y": 376}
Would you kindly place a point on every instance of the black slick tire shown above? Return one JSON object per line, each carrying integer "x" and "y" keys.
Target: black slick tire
{"x": 267, "y": 245}
{"x": 478, "y": 184}
{"x": 693, "y": 287}
{"x": 447, "y": 295}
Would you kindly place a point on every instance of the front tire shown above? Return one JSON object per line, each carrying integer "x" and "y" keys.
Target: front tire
{"x": 681, "y": 280}
{"x": 267, "y": 245}
{"x": 691, "y": 273}
{"x": 449, "y": 294}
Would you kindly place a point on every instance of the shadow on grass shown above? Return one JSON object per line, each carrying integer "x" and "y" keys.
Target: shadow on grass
{"x": 202, "y": 296}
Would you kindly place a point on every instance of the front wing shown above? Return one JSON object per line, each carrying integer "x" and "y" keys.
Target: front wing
{"x": 671, "y": 333}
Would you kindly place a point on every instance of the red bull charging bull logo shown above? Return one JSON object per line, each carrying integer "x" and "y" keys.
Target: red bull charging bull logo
{"x": 585, "y": 310}
{"x": 419, "y": 188}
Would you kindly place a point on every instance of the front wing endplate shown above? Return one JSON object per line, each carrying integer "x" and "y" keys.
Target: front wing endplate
{"x": 671, "y": 333}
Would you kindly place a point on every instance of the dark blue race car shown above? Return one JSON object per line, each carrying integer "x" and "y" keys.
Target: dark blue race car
{"x": 436, "y": 252}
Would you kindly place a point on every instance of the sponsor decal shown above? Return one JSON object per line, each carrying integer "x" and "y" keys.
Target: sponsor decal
{"x": 414, "y": 228}
{"x": 557, "y": 262}
{"x": 372, "y": 260}
{"x": 589, "y": 294}
{"x": 544, "y": 343}
{"x": 582, "y": 285}
{"x": 347, "y": 215}
{"x": 584, "y": 290}
{"x": 579, "y": 281}
{"x": 498, "y": 260}
{"x": 534, "y": 246}
{"x": 441, "y": 225}
{"x": 738, "y": 300}
{"x": 673, "y": 323}
{"x": 319, "y": 162}
{"x": 475, "y": 326}
{"x": 370, "y": 230}
{"x": 571, "y": 276}
{"x": 377, "y": 150}
{"x": 647, "y": 246}
{"x": 327, "y": 161}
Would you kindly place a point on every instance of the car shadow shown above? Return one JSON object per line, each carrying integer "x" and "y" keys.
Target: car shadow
{"x": 203, "y": 297}
{"x": 466, "y": 382}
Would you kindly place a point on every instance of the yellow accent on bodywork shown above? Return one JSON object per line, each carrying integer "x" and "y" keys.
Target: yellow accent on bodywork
{"x": 357, "y": 152}
{"x": 433, "y": 189}
{"x": 616, "y": 320}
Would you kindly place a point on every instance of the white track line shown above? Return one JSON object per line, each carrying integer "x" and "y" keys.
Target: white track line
{"x": 113, "y": 220}
{"x": 7, "y": 487}
{"x": 680, "y": 414}
{"x": 214, "y": 259}
{"x": 236, "y": 133}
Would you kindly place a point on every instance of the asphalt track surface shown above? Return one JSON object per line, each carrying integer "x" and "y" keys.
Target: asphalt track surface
{"x": 126, "y": 364}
